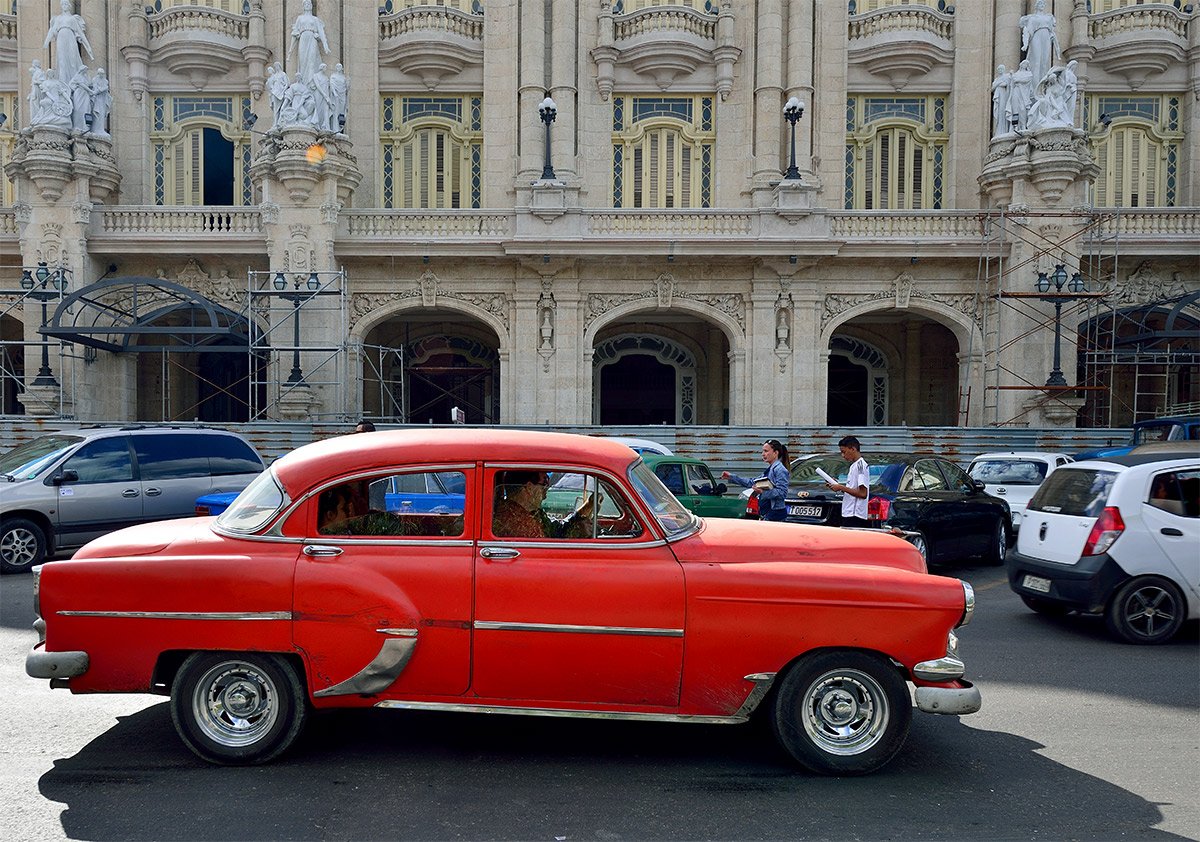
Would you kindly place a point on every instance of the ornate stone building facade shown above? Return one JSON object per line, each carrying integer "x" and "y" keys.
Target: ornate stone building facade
{"x": 600, "y": 211}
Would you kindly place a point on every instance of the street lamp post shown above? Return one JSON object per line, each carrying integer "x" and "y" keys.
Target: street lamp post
{"x": 548, "y": 111}
{"x": 792, "y": 112}
{"x": 1057, "y": 279}
{"x": 296, "y": 378}
{"x": 36, "y": 284}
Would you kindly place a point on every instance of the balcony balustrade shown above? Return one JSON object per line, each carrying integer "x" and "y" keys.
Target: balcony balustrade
{"x": 899, "y": 43}
{"x": 431, "y": 43}
{"x": 1137, "y": 42}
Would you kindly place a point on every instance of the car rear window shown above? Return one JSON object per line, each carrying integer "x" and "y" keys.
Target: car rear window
{"x": 1008, "y": 471}
{"x": 1081, "y": 492}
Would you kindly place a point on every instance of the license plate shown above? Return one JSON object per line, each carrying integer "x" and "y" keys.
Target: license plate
{"x": 804, "y": 511}
{"x": 1036, "y": 583}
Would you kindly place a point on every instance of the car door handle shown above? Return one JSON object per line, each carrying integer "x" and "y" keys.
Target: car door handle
{"x": 321, "y": 551}
{"x": 499, "y": 553}
{"x": 130, "y": 492}
{"x": 1172, "y": 531}
{"x": 153, "y": 492}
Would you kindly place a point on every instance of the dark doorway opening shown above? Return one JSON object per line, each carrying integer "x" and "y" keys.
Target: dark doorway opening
{"x": 637, "y": 389}
{"x": 847, "y": 404}
{"x": 218, "y": 168}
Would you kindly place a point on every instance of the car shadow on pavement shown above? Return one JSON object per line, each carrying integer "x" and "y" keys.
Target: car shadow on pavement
{"x": 410, "y": 775}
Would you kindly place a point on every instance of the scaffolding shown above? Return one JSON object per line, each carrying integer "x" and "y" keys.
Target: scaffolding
{"x": 278, "y": 303}
{"x": 1132, "y": 361}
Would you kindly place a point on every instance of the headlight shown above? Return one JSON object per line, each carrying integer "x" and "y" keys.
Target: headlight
{"x": 968, "y": 604}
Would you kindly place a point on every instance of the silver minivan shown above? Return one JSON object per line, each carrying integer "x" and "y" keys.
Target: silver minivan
{"x": 63, "y": 489}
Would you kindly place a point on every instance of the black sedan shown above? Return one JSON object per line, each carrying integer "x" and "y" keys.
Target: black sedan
{"x": 946, "y": 514}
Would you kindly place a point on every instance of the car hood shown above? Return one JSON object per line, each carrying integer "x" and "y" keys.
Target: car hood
{"x": 754, "y": 541}
{"x": 186, "y": 536}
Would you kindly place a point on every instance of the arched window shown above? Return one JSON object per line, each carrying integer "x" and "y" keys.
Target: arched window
{"x": 662, "y": 152}
{"x": 432, "y": 152}
{"x": 895, "y": 152}
{"x": 1138, "y": 155}
{"x": 201, "y": 152}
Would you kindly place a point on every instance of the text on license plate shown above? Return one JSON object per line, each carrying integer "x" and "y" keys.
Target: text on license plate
{"x": 804, "y": 511}
{"x": 1036, "y": 583}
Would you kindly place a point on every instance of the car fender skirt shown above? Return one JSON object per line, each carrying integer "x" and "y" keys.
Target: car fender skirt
{"x": 42, "y": 664}
{"x": 956, "y": 701}
{"x": 378, "y": 675}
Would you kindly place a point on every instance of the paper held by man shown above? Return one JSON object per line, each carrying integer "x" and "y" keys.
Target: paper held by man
{"x": 825, "y": 476}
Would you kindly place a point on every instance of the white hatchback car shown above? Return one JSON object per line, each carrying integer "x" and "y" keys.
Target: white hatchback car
{"x": 1015, "y": 475}
{"x": 1119, "y": 537}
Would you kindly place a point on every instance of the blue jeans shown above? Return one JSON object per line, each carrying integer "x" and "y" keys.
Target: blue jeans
{"x": 778, "y": 513}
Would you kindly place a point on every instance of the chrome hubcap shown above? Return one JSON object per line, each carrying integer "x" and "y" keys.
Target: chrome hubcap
{"x": 845, "y": 712}
{"x": 235, "y": 704}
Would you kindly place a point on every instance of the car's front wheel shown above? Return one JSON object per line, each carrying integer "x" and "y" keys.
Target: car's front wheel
{"x": 1149, "y": 609}
{"x": 237, "y": 708}
{"x": 998, "y": 546}
{"x": 842, "y": 712}
{"x": 22, "y": 545}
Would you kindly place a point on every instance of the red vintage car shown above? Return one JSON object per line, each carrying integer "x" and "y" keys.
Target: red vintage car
{"x": 327, "y": 584}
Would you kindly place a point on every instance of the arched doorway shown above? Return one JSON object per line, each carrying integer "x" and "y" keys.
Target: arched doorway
{"x": 642, "y": 378}
{"x": 858, "y": 384}
{"x": 12, "y": 365}
{"x": 418, "y": 369}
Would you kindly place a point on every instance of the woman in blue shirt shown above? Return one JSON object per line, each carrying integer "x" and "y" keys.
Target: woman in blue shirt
{"x": 771, "y": 504}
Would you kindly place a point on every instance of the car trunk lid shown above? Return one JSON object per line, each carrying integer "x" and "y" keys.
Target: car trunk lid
{"x": 1060, "y": 516}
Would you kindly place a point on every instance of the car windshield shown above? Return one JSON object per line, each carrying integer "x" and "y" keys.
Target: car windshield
{"x": 1008, "y": 471}
{"x": 671, "y": 514}
{"x": 27, "y": 460}
{"x": 255, "y": 506}
{"x": 804, "y": 472}
{"x": 1081, "y": 492}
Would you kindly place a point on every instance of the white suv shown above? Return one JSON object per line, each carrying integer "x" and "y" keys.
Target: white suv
{"x": 1119, "y": 537}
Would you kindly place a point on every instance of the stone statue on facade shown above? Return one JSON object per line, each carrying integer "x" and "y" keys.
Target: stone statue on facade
{"x": 298, "y": 105}
{"x": 68, "y": 35}
{"x": 1039, "y": 40}
{"x": 101, "y": 103}
{"x": 50, "y": 104}
{"x": 277, "y": 86}
{"x": 339, "y": 88}
{"x": 37, "y": 76}
{"x": 1020, "y": 96}
{"x": 308, "y": 41}
{"x": 81, "y": 100}
{"x": 1001, "y": 115}
{"x": 322, "y": 100}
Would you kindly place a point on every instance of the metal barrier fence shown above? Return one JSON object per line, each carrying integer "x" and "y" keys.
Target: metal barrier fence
{"x": 736, "y": 449}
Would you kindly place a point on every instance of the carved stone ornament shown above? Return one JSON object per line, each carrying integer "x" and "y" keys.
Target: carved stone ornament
{"x": 783, "y": 328}
{"x": 270, "y": 213}
{"x": 428, "y": 285}
{"x": 1145, "y": 285}
{"x": 429, "y": 290}
{"x": 837, "y": 303}
{"x": 547, "y": 311}
{"x": 903, "y": 286}
{"x": 729, "y": 304}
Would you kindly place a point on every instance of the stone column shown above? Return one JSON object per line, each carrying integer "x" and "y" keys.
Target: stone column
{"x": 968, "y": 114}
{"x": 1007, "y": 34}
{"x": 768, "y": 102}
{"x": 1189, "y": 175}
{"x": 531, "y": 90}
{"x": 501, "y": 117}
{"x": 911, "y": 406}
{"x": 828, "y": 108}
{"x": 360, "y": 61}
{"x": 563, "y": 90}
{"x": 799, "y": 78}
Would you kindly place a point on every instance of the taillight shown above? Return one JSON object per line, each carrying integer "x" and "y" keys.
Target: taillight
{"x": 201, "y": 511}
{"x": 878, "y": 508}
{"x": 752, "y": 505}
{"x": 1105, "y": 531}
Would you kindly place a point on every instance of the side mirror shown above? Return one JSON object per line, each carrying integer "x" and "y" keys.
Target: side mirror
{"x": 65, "y": 477}
{"x": 977, "y": 486}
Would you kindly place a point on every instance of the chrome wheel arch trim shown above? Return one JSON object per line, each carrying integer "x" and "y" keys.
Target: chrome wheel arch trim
{"x": 379, "y": 674}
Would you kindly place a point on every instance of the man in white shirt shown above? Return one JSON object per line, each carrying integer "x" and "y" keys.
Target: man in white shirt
{"x": 857, "y": 485}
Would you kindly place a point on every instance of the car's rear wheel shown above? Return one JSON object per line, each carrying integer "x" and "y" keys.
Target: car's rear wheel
{"x": 237, "y": 708}
{"x": 842, "y": 712}
{"x": 922, "y": 544}
{"x": 1149, "y": 609}
{"x": 1045, "y": 606}
{"x": 999, "y": 544}
{"x": 22, "y": 545}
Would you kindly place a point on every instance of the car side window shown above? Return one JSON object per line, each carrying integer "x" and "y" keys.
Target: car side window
{"x": 408, "y": 505}
{"x": 927, "y": 477}
{"x": 559, "y": 506}
{"x": 174, "y": 456}
{"x": 957, "y": 478}
{"x": 699, "y": 480}
{"x": 103, "y": 460}
{"x": 672, "y": 477}
{"x": 1176, "y": 493}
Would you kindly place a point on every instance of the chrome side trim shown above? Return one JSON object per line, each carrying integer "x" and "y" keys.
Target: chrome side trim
{"x": 762, "y": 685}
{"x": 491, "y": 625}
{"x": 398, "y": 632}
{"x": 378, "y": 675}
{"x": 629, "y": 544}
{"x": 561, "y": 712}
{"x": 184, "y": 615}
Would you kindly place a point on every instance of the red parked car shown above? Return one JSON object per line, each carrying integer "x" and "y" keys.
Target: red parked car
{"x": 612, "y": 601}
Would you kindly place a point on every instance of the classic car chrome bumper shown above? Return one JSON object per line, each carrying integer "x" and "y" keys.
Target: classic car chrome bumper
{"x": 42, "y": 664}
{"x": 959, "y": 700}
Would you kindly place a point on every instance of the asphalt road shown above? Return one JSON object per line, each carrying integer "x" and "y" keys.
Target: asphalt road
{"x": 1080, "y": 737}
